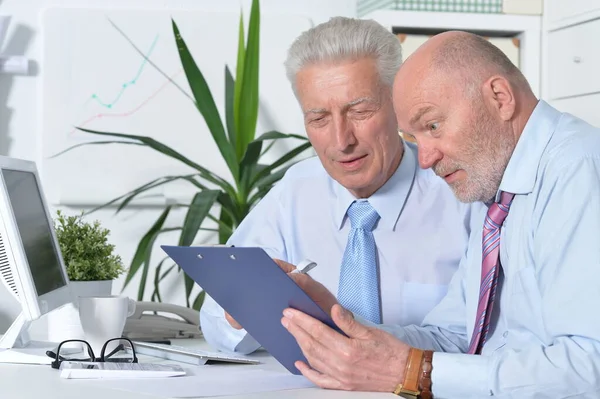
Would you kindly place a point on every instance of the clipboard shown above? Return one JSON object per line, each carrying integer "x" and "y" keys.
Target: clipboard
{"x": 253, "y": 289}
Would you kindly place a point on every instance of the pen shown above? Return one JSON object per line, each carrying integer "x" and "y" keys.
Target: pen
{"x": 304, "y": 267}
{"x": 163, "y": 342}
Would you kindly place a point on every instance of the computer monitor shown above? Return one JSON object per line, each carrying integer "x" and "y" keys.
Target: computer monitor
{"x": 31, "y": 265}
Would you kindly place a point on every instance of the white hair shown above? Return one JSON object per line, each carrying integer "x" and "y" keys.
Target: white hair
{"x": 346, "y": 39}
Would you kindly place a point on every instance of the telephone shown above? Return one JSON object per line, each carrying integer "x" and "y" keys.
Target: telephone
{"x": 162, "y": 321}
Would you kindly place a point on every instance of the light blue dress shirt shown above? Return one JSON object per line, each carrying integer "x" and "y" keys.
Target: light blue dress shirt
{"x": 544, "y": 340}
{"x": 421, "y": 237}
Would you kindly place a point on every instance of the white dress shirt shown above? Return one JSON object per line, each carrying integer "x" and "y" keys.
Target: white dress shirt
{"x": 420, "y": 239}
{"x": 544, "y": 339}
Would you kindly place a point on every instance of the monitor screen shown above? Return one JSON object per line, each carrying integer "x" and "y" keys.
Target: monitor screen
{"x": 34, "y": 230}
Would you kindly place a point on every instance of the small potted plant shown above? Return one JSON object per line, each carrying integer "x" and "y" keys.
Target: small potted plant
{"x": 91, "y": 265}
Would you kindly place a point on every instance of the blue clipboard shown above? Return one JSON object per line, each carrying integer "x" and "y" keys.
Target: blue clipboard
{"x": 254, "y": 290}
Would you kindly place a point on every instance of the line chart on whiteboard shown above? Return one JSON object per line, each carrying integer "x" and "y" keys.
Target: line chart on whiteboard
{"x": 98, "y": 106}
{"x": 110, "y": 105}
{"x": 96, "y": 98}
{"x": 104, "y": 73}
{"x": 86, "y": 122}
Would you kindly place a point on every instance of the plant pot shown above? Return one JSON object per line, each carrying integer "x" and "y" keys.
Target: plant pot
{"x": 64, "y": 323}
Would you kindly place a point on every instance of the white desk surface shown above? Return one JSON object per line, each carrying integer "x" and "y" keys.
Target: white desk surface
{"x": 43, "y": 382}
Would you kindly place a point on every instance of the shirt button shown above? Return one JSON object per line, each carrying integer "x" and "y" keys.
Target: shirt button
{"x": 505, "y": 334}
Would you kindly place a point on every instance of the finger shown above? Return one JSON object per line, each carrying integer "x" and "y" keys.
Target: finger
{"x": 303, "y": 280}
{"x": 323, "y": 347}
{"x": 232, "y": 321}
{"x": 319, "y": 379}
{"x": 312, "y": 349}
{"x": 285, "y": 266}
{"x": 322, "y": 358}
{"x": 315, "y": 328}
{"x": 348, "y": 324}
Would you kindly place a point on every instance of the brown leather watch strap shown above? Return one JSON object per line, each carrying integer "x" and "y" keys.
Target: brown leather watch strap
{"x": 417, "y": 375}
{"x": 425, "y": 376}
{"x": 412, "y": 374}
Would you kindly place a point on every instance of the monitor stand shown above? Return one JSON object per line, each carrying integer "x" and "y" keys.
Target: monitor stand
{"x": 16, "y": 347}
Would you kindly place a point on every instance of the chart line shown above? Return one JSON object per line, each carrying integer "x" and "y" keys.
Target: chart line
{"x": 131, "y": 111}
{"x": 127, "y": 84}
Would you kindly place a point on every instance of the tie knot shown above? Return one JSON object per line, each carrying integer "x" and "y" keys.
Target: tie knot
{"x": 499, "y": 210}
{"x": 362, "y": 215}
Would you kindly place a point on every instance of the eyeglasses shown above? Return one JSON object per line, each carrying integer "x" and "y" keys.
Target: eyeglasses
{"x": 121, "y": 350}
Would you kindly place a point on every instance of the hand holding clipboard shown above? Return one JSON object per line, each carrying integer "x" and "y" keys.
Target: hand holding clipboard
{"x": 254, "y": 290}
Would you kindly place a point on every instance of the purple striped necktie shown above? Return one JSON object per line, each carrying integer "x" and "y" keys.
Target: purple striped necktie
{"x": 489, "y": 270}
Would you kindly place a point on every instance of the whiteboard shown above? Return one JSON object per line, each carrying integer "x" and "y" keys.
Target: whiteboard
{"x": 93, "y": 77}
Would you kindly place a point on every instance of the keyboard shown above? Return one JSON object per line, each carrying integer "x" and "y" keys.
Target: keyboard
{"x": 187, "y": 355}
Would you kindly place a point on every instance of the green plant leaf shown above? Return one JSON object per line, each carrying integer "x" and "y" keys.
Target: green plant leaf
{"x": 266, "y": 183}
{"x": 229, "y": 107}
{"x": 224, "y": 233}
{"x": 205, "y": 103}
{"x": 144, "y": 278}
{"x": 282, "y": 160}
{"x": 199, "y": 208}
{"x": 271, "y": 179}
{"x": 221, "y": 225}
{"x": 143, "y": 251}
{"x": 156, "y": 294}
{"x": 166, "y": 273}
{"x": 248, "y": 167}
{"x": 96, "y": 143}
{"x": 157, "y": 182}
{"x": 168, "y": 151}
{"x": 149, "y": 61}
{"x": 239, "y": 78}
{"x": 251, "y": 156}
{"x": 199, "y": 300}
{"x": 86, "y": 251}
{"x": 266, "y": 150}
{"x": 231, "y": 206}
{"x": 189, "y": 286}
{"x": 144, "y": 187}
{"x": 259, "y": 194}
{"x": 253, "y": 151}
{"x": 274, "y": 134}
{"x": 248, "y": 104}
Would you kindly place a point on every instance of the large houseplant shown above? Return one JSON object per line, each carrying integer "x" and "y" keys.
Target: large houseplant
{"x": 236, "y": 139}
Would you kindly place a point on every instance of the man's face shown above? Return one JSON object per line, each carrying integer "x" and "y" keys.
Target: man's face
{"x": 350, "y": 122}
{"x": 457, "y": 136}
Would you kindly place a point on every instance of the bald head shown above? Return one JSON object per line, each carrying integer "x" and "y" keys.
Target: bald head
{"x": 465, "y": 58}
{"x": 466, "y": 104}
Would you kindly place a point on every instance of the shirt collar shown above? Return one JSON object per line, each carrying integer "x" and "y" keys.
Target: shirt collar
{"x": 389, "y": 200}
{"x": 522, "y": 169}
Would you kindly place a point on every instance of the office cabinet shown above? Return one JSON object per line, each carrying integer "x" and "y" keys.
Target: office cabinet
{"x": 571, "y": 60}
{"x": 574, "y": 60}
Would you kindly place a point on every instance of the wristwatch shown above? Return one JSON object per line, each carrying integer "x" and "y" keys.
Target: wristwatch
{"x": 417, "y": 376}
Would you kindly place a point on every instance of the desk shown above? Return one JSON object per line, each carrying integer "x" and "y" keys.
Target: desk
{"x": 43, "y": 382}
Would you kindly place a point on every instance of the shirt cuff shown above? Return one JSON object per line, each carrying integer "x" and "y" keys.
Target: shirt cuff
{"x": 247, "y": 345}
{"x": 460, "y": 375}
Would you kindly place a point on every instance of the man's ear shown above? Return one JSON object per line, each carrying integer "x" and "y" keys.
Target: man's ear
{"x": 501, "y": 97}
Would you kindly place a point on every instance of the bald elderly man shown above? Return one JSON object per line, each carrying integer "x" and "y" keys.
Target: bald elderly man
{"x": 519, "y": 319}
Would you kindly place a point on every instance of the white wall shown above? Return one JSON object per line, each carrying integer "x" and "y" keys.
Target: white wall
{"x": 19, "y": 108}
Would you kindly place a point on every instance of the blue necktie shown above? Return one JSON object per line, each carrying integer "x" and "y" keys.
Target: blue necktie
{"x": 359, "y": 283}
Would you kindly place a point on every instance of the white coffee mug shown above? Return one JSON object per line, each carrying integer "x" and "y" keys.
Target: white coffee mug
{"x": 103, "y": 318}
